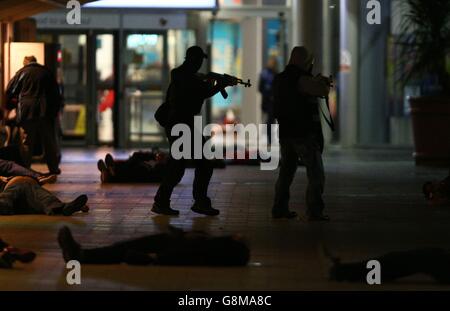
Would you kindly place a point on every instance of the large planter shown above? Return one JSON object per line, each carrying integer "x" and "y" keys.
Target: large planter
{"x": 431, "y": 130}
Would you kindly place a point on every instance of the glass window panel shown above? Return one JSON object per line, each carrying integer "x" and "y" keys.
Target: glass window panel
{"x": 73, "y": 69}
{"x": 104, "y": 63}
{"x": 179, "y": 41}
{"x": 144, "y": 58}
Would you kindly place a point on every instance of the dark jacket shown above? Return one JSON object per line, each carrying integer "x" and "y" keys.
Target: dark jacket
{"x": 265, "y": 88}
{"x": 186, "y": 94}
{"x": 37, "y": 93}
{"x": 297, "y": 113}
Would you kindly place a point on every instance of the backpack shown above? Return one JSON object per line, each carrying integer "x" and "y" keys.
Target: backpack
{"x": 162, "y": 113}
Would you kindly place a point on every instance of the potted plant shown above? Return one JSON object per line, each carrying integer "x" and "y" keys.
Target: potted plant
{"x": 424, "y": 42}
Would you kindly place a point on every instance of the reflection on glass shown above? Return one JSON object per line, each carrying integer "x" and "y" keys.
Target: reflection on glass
{"x": 226, "y": 56}
{"x": 143, "y": 126}
{"x": 144, "y": 85}
{"x": 74, "y": 78}
{"x": 144, "y": 58}
{"x": 179, "y": 41}
{"x": 105, "y": 82}
{"x": 104, "y": 58}
{"x": 105, "y": 101}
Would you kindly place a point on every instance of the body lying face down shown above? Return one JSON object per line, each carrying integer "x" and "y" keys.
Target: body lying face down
{"x": 173, "y": 248}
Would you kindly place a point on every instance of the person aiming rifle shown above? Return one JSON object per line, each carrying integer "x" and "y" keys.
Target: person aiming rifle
{"x": 296, "y": 93}
{"x": 185, "y": 96}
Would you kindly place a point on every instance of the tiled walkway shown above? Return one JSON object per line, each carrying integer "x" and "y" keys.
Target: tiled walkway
{"x": 373, "y": 197}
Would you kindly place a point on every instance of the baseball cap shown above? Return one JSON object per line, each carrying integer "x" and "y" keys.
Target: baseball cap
{"x": 195, "y": 52}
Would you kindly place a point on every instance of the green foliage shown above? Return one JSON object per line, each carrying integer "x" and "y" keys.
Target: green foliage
{"x": 425, "y": 40}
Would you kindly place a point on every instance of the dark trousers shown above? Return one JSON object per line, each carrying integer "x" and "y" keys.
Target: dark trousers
{"x": 270, "y": 119}
{"x": 9, "y": 168}
{"x": 434, "y": 262}
{"x": 175, "y": 171}
{"x": 125, "y": 251}
{"x": 136, "y": 170}
{"x": 43, "y": 128}
{"x": 309, "y": 150}
{"x": 26, "y": 198}
{"x": 190, "y": 249}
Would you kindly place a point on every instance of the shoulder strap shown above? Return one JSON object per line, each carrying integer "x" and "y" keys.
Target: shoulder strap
{"x": 329, "y": 121}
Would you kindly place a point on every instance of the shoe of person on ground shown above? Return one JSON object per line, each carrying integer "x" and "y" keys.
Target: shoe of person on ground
{"x": 10, "y": 254}
{"x": 47, "y": 179}
{"x": 21, "y": 255}
{"x": 109, "y": 161}
{"x": 77, "y": 205}
{"x": 104, "y": 173}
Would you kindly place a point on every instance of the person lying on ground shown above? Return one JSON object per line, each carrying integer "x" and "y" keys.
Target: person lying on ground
{"x": 140, "y": 167}
{"x": 10, "y": 254}
{"x": 24, "y": 196}
{"x": 434, "y": 262}
{"x": 10, "y": 169}
{"x": 173, "y": 248}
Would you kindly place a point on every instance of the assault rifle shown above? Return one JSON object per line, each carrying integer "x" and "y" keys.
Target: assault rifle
{"x": 225, "y": 80}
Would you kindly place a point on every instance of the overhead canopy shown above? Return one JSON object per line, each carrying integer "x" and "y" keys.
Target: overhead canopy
{"x": 13, "y": 10}
{"x": 155, "y": 4}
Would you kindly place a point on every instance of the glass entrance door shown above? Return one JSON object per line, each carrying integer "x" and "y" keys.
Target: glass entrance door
{"x": 73, "y": 76}
{"x": 145, "y": 80}
{"x": 104, "y": 82}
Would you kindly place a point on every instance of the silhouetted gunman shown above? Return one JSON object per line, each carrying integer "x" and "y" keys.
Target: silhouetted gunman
{"x": 186, "y": 94}
{"x": 296, "y": 108}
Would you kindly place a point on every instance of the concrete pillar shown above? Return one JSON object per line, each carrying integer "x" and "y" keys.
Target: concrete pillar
{"x": 373, "y": 109}
{"x": 312, "y": 22}
{"x": 327, "y": 48}
{"x": 307, "y": 27}
{"x": 348, "y": 77}
{"x": 252, "y": 36}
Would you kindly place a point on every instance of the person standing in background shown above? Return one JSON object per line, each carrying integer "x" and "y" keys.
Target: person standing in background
{"x": 265, "y": 88}
{"x": 38, "y": 97}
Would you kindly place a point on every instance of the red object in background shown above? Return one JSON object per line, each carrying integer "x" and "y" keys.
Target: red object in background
{"x": 59, "y": 56}
{"x": 107, "y": 101}
{"x": 229, "y": 121}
